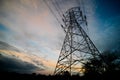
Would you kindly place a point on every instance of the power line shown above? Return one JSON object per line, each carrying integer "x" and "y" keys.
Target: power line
{"x": 52, "y": 11}
{"x": 82, "y": 5}
{"x": 77, "y": 1}
{"x": 59, "y": 8}
{"x": 56, "y": 7}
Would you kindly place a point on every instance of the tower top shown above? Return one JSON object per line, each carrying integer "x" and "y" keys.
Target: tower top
{"x": 78, "y": 16}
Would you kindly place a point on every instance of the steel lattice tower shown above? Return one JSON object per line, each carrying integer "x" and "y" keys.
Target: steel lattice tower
{"x": 77, "y": 46}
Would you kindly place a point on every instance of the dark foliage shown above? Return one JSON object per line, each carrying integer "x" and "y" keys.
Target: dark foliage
{"x": 105, "y": 67}
{"x": 90, "y": 76}
{"x": 17, "y": 76}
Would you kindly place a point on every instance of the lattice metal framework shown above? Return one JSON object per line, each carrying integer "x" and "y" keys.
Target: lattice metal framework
{"x": 77, "y": 46}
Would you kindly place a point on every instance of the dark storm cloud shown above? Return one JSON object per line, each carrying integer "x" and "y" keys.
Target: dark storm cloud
{"x": 14, "y": 65}
{"x": 10, "y": 61}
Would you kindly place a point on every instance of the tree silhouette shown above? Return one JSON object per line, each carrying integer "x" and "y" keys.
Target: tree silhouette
{"x": 112, "y": 60}
{"x": 108, "y": 63}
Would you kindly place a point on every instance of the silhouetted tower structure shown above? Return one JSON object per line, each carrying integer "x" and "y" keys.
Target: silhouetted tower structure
{"x": 77, "y": 47}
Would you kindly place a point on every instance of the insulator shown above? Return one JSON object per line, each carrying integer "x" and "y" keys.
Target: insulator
{"x": 85, "y": 17}
{"x": 80, "y": 13}
{"x": 86, "y": 23}
{"x": 63, "y": 20}
{"x": 62, "y": 26}
{"x": 63, "y": 15}
{"x": 79, "y": 8}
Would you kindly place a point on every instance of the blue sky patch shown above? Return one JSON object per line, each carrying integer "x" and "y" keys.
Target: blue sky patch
{"x": 3, "y": 28}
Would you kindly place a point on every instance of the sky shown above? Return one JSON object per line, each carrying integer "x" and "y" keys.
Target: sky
{"x": 31, "y": 38}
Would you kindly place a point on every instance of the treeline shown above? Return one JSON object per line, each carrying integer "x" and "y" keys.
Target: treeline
{"x": 18, "y": 76}
{"x": 91, "y": 76}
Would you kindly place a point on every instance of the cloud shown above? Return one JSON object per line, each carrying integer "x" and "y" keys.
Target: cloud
{"x": 111, "y": 34}
{"x": 31, "y": 24}
{"x": 15, "y": 56}
{"x": 108, "y": 38}
{"x": 15, "y": 65}
{"x": 6, "y": 46}
{"x": 16, "y": 60}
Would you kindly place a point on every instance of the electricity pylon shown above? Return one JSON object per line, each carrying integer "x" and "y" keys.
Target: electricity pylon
{"x": 77, "y": 47}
